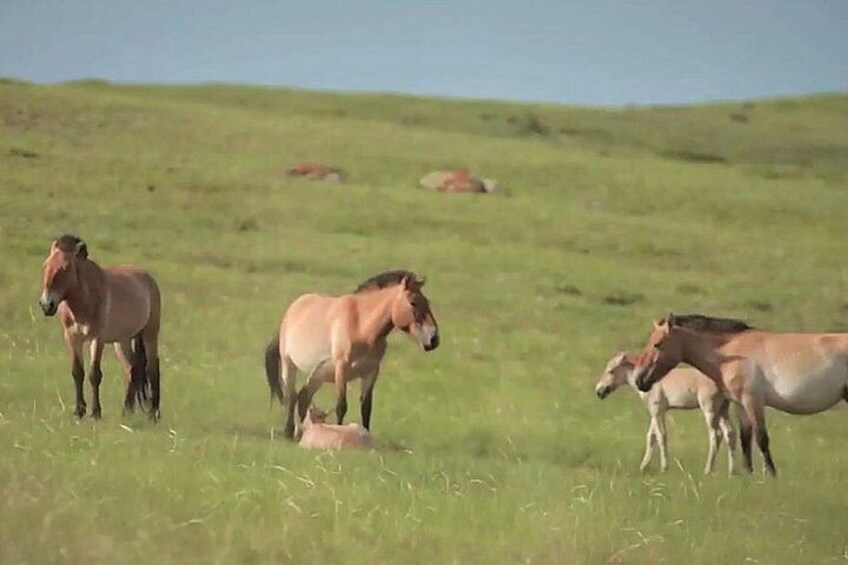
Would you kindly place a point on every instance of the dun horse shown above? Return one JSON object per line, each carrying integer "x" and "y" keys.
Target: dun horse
{"x": 795, "y": 373}
{"x": 319, "y": 435}
{"x": 339, "y": 339}
{"x": 683, "y": 388}
{"x": 119, "y": 305}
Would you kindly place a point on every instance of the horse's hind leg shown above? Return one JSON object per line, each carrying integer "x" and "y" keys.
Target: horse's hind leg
{"x": 649, "y": 447}
{"x": 745, "y": 437}
{"x": 95, "y": 376}
{"x": 756, "y": 413}
{"x": 711, "y": 417}
{"x": 150, "y": 341}
{"x": 729, "y": 436}
{"x": 74, "y": 343}
{"x": 123, "y": 350}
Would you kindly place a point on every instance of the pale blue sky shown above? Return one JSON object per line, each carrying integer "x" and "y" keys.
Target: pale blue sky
{"x": 583, "y": 51}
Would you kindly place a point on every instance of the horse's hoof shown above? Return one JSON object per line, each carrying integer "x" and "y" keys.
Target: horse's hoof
{"x": 95, "y": 414}
{"x": 154, "y": 415}
{"x": 80, "y": 413}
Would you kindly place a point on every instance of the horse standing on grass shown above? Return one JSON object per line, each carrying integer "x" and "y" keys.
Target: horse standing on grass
{"x": 119, "y": 305}
{"x": 684, "y": 388}
{"x": 793, "y": 372}
{"x": 339, "y": 339}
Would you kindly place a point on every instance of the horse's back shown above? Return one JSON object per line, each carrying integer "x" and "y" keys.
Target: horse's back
{"x": 686, "y": 387}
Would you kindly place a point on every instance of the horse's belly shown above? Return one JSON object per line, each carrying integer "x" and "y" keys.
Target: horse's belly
{"x": 807, "y": 394}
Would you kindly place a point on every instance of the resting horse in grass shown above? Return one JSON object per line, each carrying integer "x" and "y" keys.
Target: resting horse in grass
{"x": 317, "y": 434}
{"x": 684, "y": 388}
{"x": 119, "y": 305}
{"x": 792, "y": 372}
{"x": 339, "y": 339}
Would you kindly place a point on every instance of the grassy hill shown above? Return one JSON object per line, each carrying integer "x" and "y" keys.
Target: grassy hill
{"x": 497, "y": 449}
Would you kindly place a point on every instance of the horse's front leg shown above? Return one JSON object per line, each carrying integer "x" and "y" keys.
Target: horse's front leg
{"x": 366, "y": 398}
{"x": 341, "y": 391}
{"x": 74, "y": 342}
{"x": 95, "y": 376}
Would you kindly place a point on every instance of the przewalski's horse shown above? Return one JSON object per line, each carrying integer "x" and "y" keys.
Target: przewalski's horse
{"x": 684, "y": 388}
{"x": 792, "y": 372}
{"x": 119, "y": 305}
{"x": 339, "y": 339}
{"x": 317, "y": 434}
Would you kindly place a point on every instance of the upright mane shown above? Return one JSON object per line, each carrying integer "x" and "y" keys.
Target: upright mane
{"x": 67, "y": 242}
{"x": 698, "y": 322}
{"x": 383, "y": 280}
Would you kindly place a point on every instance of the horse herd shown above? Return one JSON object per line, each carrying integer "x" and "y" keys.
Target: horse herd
{"x": 337, "y": 339}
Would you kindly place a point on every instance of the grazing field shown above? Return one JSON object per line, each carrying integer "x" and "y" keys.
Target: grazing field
{"x": 494, "y": 447}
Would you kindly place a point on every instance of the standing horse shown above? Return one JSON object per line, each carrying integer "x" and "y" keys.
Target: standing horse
{"x": 795, "y": 373}
{"x": 684, "y": 388}
{"x": 119, "y": 305}
{"x": 339, "y": 339}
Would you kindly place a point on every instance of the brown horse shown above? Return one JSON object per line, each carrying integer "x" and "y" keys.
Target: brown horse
{"x": 339, "y": 339}
{"x": 795, "y": 373}
{"x": 119, "y": 305}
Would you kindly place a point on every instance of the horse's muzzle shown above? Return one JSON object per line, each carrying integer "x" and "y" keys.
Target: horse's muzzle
{"x": 602, "y": 392}
{"x": 48, "y": 307}
{"x": 434, "y": 343}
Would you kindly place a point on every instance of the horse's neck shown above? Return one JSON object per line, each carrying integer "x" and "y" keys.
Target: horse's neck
{"x": 702, "y": 351}
{"x": 377, "y": 315}
{"x": 84, "y": 299}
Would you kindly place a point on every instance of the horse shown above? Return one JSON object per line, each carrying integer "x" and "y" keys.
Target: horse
{"x": 341, "y": 338}
{"x": 684, "y": 388}
{"x": 797, "y": 373}
{"x": 120, "y": 305}
{"x": 317, "y": 434}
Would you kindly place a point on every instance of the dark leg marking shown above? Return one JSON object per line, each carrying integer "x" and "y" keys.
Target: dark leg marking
{"x": 763, "y": 443}
{"x": 366, "y": 408}
{"x": 745, "y": 437}
{"x": 78, "y": 373}
{"x": 95, "y": 377}
{"x": 153, "y": 380}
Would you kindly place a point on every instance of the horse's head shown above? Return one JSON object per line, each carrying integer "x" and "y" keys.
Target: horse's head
{"x": 615, "y": 374}
{"x": 59, "y": 274}
{"x": 411, "y": 313}
{"x": 314, "y": 415}
{"x": 662, "y": 353}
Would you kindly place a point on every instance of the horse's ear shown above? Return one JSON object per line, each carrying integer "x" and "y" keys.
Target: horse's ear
{"x": 409, "y": 282}
{"x": 81, "y": 250}
{"x": 53, "y": 245}
{"x": 670, "y": 320}
{"x": 421, "y": 282}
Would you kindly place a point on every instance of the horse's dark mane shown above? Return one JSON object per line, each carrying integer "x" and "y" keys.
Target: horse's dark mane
{"x": 67, "y": 242}
{"x": 698, "y": 322}
{"x": 383, "y": 280}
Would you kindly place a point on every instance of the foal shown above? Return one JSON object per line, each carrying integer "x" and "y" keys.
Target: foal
{"x": 317, "y": 434}
{"x": 341, "y": 338}
{"x": 119, "y": 305}
{"x": 795, "y": 373}
{"x": 683, "y": 388}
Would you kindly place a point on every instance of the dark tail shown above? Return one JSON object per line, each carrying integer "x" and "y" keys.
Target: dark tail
{"x": 139, "y": 364}
{"x": 272, "y": 368}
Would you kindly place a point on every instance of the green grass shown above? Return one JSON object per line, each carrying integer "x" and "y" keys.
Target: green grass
{"x": 497, "y": 449}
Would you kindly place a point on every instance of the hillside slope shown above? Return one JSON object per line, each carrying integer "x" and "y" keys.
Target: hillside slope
{"x": 497, "y": 448}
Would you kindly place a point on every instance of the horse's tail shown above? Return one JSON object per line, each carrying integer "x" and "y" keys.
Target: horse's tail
{"x": 272, "y": 368}
{"x": 139, "y": 367}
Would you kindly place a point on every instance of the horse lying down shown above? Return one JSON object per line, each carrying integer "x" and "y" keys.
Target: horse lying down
{"x": 317, "y": 434}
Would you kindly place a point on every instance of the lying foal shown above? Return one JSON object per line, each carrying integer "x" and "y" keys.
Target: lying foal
{"x": 319, "y": 435}
{"x": 684, "y": 388}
